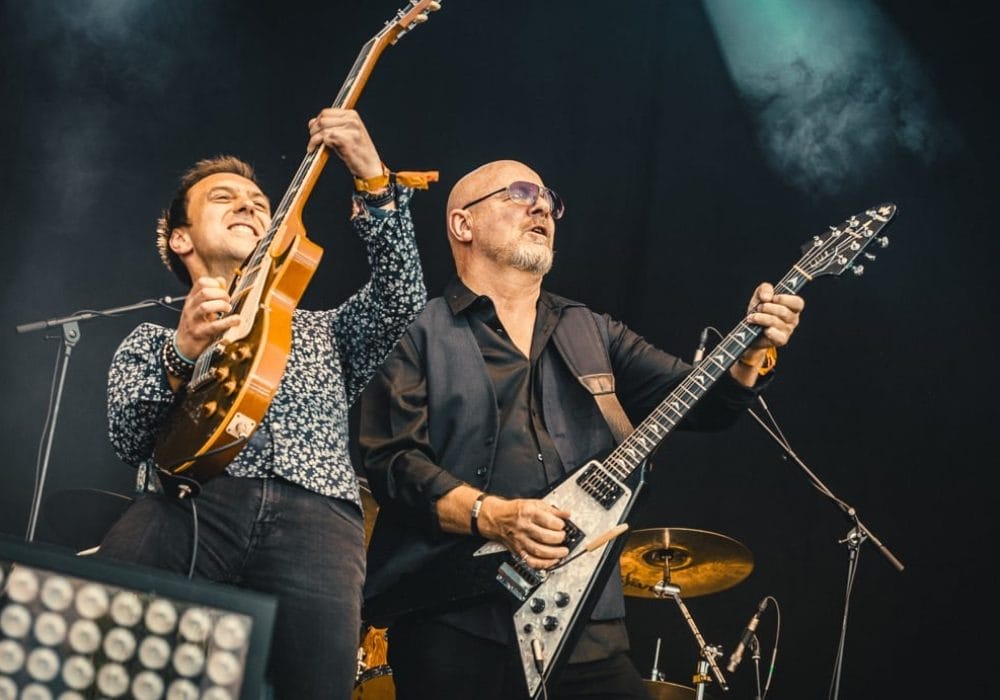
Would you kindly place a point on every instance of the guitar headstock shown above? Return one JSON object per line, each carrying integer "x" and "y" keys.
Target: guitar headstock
{"x": 836, "y": 250}
{"x": 416, "y": 12}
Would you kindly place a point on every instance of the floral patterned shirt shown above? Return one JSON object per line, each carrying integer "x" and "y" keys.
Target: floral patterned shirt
{"x": 303, "y": 436}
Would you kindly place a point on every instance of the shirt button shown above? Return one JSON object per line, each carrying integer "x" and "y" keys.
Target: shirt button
{"x": 540, "y": 458}
{"x": 481, "y": 471}
{"x": 489, "y": 440}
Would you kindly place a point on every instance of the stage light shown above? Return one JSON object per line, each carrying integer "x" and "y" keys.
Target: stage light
{"x": 832, "y": 87}
{"x": 73, "y": 627}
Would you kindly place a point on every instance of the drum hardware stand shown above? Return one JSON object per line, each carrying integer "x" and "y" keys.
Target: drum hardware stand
{"x": 71, "y": 336}
{"x": 708, "y": 653}
{"x": 755, "y": 655}
{"x": 655, "y": 674}
{"x": 858, "y": 533}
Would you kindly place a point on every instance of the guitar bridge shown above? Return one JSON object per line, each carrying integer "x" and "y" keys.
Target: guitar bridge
{"x": 519, "y": 578}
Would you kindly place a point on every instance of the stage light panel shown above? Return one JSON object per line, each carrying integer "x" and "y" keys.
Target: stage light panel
{"x": 78, "y": 627}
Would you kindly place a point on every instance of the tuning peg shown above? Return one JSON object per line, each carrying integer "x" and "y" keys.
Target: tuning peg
{"x": 434, "y": 6}
{"x": 421, "y": 18}
{"x": 869, "y": 256}
{"x": 858, "y": 270}
{"x": 883, "y": 241}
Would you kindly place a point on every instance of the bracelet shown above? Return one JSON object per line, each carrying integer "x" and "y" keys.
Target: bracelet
{"x": 175, "y": 362}
{"x": 377, "y": 200}
{"x": 770, "y": 360}
{"x": 474, "y": 515}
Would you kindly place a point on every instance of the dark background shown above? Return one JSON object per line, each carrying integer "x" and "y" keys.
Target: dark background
{"x": 684, "y": 190}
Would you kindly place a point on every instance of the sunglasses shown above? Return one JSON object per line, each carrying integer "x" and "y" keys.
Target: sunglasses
{"x": 527, "y": 193}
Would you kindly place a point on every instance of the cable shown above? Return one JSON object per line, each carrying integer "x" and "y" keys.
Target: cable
{"x": 780, "y": 439}
{"x": 852, "y": 571}
{"x": 774, "y": 650}
{"x": 194, "y": 543}
{"x": 213, "y": 451}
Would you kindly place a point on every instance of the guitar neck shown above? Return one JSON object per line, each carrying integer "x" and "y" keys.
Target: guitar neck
{"x": 830, "y": 253}
{"x": 312, "y": 164}
{"x": 279, "y": 235}
{"x": 636, "y": 448}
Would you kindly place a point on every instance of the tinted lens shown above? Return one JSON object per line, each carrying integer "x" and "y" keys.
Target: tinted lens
{"x": 555, "y": 201}
{"x": 527, "y": 193}
{"x": 523, "y": 192}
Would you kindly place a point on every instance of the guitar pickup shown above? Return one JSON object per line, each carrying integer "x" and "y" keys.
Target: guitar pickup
{"x": 600, "y": 485}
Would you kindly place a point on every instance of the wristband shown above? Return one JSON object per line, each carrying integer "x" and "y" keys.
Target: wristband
{"x": 176, "y": 363}
{"x": 474, "y": 515}
{"x": 372, "y": 184}
{"x": 417, "y": 179}
{"x": 770, "y": 360}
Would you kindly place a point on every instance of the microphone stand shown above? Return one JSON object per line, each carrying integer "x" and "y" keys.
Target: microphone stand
{"x": 70, "y": 326}
{"x": 858, "y": 533}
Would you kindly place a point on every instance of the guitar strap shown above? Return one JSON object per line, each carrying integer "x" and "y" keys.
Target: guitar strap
{"x": 585, "y": 350}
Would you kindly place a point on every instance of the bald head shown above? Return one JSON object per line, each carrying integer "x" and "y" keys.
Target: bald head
{"x": 486, "y": 178}
{"x": 478, "y": 183}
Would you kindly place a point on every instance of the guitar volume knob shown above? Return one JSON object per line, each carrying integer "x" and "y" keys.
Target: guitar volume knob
{"x": 562, "y": 599}
{"x": 537, "y": 605}
{"x": 550, "y": 623}
{"x": 240, "y": 353}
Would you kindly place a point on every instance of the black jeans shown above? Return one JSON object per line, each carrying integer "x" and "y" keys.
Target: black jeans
{"x": 274, "y": 537}
{"x": 433, "y": 660}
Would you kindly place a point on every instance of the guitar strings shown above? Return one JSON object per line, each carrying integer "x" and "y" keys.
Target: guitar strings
{"x": 644, "y": 439}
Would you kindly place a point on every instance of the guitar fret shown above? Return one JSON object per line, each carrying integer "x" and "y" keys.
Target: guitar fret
{"x": 355, "y": 71}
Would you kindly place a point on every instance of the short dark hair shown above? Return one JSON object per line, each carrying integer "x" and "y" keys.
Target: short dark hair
{"x": 176, "y": 214}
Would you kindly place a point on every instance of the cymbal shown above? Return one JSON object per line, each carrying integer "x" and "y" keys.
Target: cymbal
{"x": 369, "y": 507}
{"x": 698, "y": 561}
{"x": 659, "y": 690}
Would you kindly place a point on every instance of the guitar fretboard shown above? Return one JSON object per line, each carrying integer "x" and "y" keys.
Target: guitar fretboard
{"x": 831, "y": 253}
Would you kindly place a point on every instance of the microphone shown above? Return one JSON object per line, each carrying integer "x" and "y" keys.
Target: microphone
{"x": 700, "y": 352}
{"x": 751, "y": 627}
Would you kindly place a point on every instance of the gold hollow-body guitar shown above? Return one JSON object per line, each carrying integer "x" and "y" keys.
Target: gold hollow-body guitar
{"x": 237, "y": 376}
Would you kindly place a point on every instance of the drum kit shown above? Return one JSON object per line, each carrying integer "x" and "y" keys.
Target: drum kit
{"x": 655, "y": 563}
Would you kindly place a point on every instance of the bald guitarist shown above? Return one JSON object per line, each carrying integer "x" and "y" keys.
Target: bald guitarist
{"x": 285, "y": 516}
{"x": 476, "y": 415}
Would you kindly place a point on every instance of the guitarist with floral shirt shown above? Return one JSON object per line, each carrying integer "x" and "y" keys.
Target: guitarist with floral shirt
{"x": 285, "y": 518}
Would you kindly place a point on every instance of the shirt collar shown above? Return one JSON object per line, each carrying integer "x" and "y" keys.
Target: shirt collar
{"x": 460, "y": 298}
